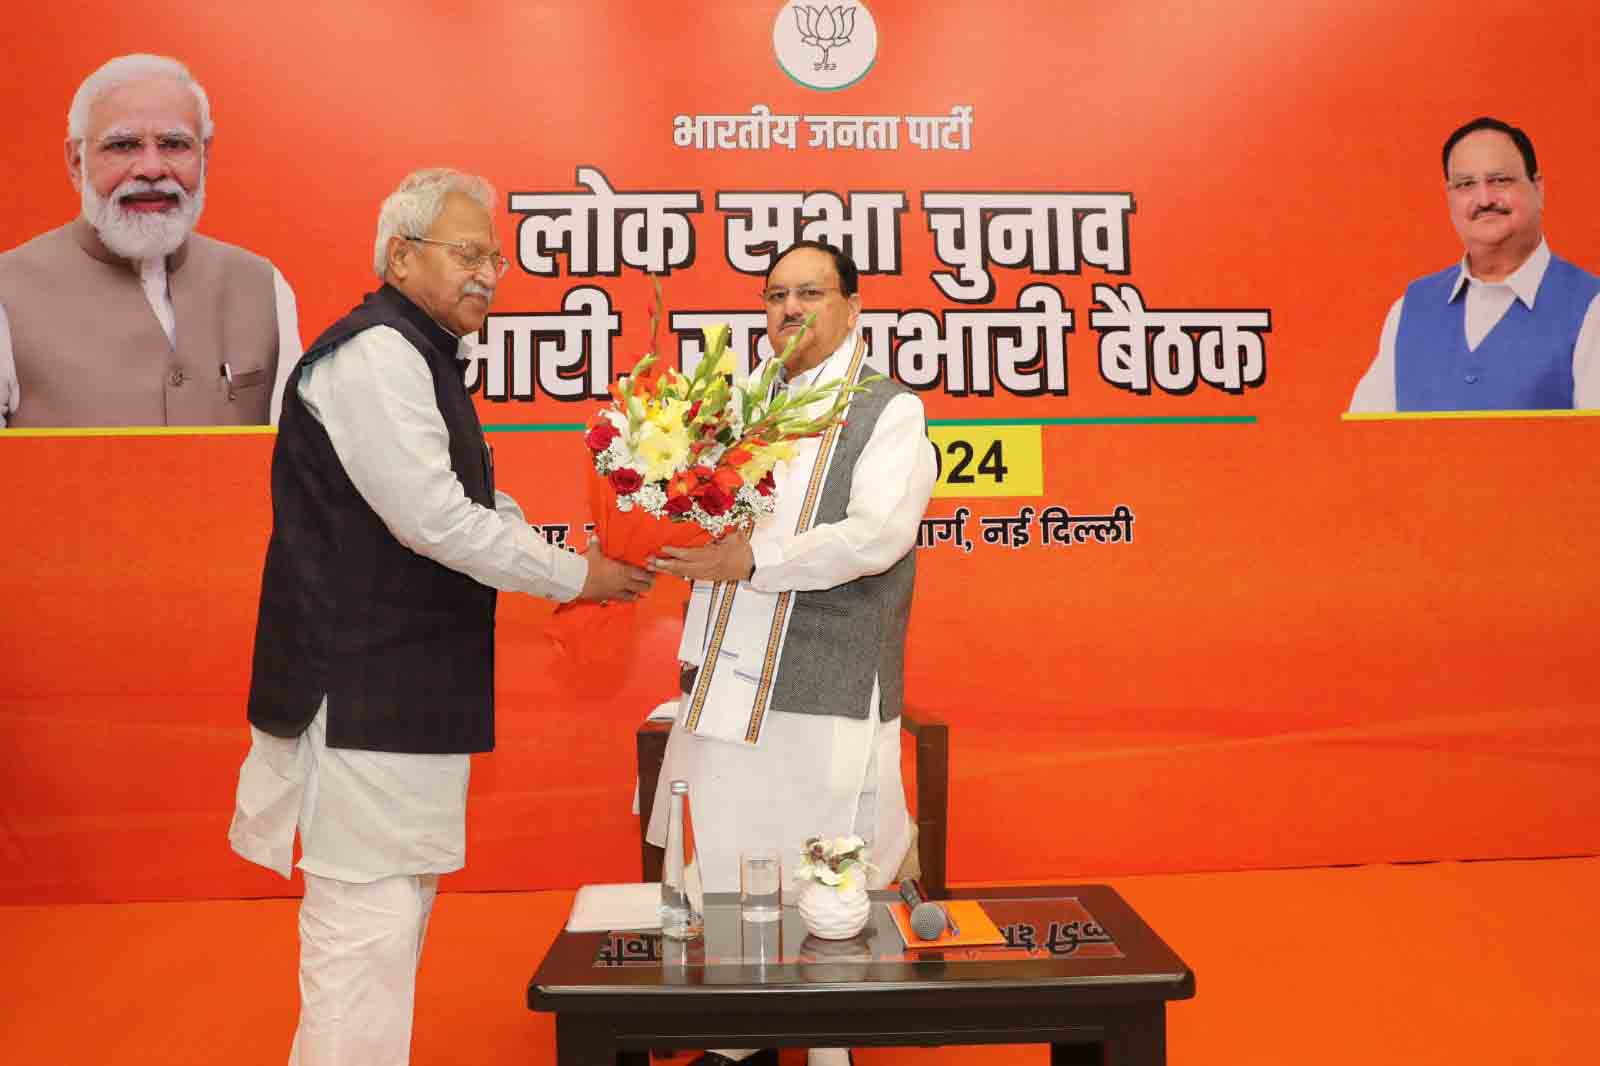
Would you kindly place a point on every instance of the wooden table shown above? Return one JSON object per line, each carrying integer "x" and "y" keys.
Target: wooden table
{"x": 1095, "y": 990}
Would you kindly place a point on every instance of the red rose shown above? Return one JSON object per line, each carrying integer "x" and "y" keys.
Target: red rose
{"x": 600, "y": 436}
{"x": 727, "y": 479}
{"x": 625, "y": 480}
{"x": 679, "y": 505}
{"x": 714, "y": 501}
{"x": 767, "y": 484}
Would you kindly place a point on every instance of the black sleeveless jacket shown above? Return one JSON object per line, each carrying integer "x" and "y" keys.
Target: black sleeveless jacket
{"x": 402, "y": 646}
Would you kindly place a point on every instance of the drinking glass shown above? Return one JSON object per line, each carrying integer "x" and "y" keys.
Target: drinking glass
{"x": 760, "y": 885}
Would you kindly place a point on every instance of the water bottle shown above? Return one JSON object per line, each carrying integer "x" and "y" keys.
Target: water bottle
{"x": 681, "y": 916}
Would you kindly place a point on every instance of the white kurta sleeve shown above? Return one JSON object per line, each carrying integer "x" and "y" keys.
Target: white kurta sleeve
{"x": 1586, "y": 361}
{"x": 375, "y": 397}
{"x": 10, "y": 391}
{"x": 892, "y": 483}
{"x": 1375, "y": 393}
{"x": 289, "y": 351}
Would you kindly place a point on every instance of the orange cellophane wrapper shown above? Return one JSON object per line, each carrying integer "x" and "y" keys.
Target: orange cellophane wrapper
{"x": 589, "y": 633}
{"x": 633, "y": 536}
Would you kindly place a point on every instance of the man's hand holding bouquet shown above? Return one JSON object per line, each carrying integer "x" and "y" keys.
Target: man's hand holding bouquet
{"x": 685, "y": 461}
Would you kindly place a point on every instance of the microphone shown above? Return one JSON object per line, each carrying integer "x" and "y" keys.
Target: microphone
{"x": 928, "y": 920}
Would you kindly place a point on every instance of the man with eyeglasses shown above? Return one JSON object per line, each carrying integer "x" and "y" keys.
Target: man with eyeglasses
{"x": 373, "y": 674}
{"x": 802, "y": 625}
{"x": 125, "y": 316}
{"x": 1510, "y": 327}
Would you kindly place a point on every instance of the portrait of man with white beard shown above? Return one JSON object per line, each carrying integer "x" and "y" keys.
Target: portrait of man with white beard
{"x": 126, "y": 316}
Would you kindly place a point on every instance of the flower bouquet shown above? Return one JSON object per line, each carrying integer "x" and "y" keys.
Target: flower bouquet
{"x": 833, "y": 904}
{"x": 683, "y": 459}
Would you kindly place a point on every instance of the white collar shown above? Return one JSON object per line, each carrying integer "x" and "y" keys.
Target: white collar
{"x": 1524, "y": 281}
{"x": 153, "y": 269}
{"x": 826, "y": 370}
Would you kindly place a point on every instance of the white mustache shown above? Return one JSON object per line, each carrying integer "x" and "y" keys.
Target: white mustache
{"x": 136, "y": 186}
{"x": 143, "y": 234}
{"x": 477, "y": 288}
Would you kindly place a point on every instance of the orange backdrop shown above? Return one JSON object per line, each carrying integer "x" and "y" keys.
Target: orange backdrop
{"x": 1328, "y": 642}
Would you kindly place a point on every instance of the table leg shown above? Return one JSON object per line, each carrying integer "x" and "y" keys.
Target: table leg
{"x": 1141, "y": 1041}
{"x": 580, "y": 1042}
{"x": 1075, "y": 1055}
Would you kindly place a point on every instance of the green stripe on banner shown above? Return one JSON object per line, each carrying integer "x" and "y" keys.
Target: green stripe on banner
{"x": 579, "y": 427}
{"x": 1107, "y": 420}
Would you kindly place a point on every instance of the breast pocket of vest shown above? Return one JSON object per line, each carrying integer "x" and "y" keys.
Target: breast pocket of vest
{"x": 817, "y": 620}
{"x": 803, "y": 605}
{"x": 810, "y": 625}
{"x": 240, "y": 384}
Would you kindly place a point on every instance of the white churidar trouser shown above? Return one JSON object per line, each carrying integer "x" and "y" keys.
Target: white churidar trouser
{"x": 359, "y": 949}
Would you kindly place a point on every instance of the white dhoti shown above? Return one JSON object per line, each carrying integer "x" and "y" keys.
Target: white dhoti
{"x": 377, "y": 829}
{"x": 811, "y": 775}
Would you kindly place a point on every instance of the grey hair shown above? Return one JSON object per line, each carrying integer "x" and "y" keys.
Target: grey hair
{"x": 413, "y": 208}
{"x": 131, "y": 68}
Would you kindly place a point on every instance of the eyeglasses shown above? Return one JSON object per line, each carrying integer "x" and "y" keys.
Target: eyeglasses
{"x": 1496, "y": 182}
{"x": 470, "y": 257}
{"x": 807, "y": 294}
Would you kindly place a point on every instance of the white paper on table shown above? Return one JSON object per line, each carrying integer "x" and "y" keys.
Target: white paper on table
{"x": 603, "y": 908}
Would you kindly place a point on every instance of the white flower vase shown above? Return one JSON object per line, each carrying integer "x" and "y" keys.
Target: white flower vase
{"x": 834, "y": 913}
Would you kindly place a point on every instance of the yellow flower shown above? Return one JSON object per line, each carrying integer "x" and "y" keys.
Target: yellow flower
{"x": 669, "y": 413}
{"x": 716, "y": 338}
{"x": 672, "y": 383}
{"x": 763, "y": 458}
{"x": 662, "y": 449}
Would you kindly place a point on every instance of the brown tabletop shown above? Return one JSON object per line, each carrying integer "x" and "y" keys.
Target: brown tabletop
{"x": 1079, "y": 971}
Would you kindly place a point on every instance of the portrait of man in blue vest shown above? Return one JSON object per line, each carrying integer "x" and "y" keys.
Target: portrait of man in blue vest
{"x": 1511, "y": 327}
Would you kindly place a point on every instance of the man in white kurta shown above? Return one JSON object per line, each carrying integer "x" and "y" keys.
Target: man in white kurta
{"x": 815, "y": 769}
{"x": 371, "y": 774}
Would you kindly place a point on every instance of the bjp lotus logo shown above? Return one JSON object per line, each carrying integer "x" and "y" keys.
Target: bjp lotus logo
{"x": 825, "y": 46}
{"x": 825, "y": 28}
